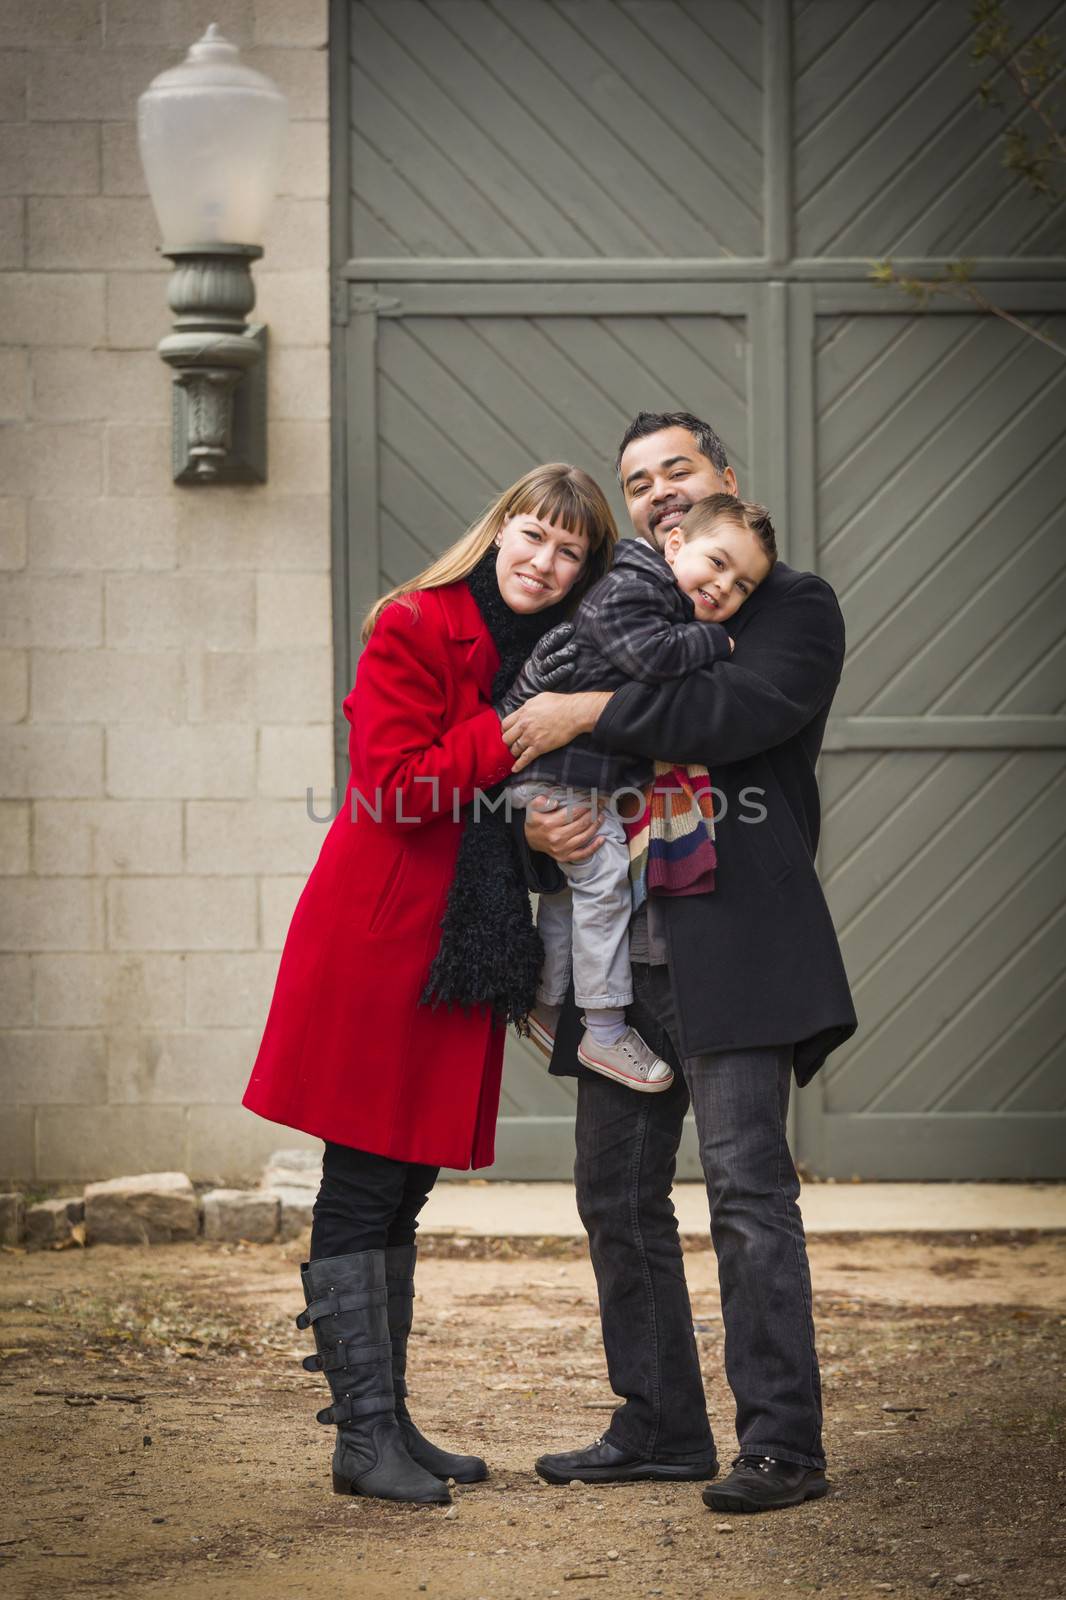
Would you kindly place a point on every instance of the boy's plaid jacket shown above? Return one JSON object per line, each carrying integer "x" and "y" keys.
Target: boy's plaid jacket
{"x": 635, "y": 625}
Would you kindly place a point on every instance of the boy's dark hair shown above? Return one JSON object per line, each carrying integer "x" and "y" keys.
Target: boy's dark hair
{"x": 702, "y": 516}
{"x": 648, "y": 422}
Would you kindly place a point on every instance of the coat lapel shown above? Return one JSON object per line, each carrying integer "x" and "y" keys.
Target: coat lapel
{"x": 467, "y": 628}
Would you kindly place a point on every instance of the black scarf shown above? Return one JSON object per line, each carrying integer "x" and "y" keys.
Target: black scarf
{"x": 490, "y": 951}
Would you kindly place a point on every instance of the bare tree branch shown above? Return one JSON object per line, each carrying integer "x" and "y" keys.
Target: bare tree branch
{"x": 1036, "y": 68}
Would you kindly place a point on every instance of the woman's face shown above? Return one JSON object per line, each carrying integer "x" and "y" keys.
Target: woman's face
{"x": 538, "y": 562}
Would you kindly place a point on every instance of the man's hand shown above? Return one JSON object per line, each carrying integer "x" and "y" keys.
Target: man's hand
{"x": 564, "y": 832}
{"x": 549, "y": 721}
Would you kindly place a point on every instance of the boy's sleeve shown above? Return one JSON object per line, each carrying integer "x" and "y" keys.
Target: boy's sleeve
{"x": 631, "y": 630}
{"x": 786, "y": 667}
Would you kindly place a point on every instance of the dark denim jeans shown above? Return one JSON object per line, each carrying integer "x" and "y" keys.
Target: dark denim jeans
{"x": 366, "y": 1202}
{"x": 626, "y": 1157}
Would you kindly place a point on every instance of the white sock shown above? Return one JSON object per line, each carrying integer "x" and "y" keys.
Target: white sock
{"x": 606, "y": 1026}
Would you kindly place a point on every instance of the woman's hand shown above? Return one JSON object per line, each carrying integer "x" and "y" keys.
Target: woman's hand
{"x": 548, "y": 721}
{"x": 564, "y": 832}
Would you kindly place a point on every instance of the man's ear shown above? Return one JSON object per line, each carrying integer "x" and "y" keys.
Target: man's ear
{"x": 729, "y": 478}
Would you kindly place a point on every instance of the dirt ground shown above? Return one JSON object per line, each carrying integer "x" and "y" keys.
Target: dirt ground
{"x": 159, "y": 1434}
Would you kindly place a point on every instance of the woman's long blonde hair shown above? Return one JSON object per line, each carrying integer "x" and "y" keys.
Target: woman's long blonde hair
{"x": 558, "y": 493}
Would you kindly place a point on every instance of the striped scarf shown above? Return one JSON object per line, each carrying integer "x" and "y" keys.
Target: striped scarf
{"x": 671, "y": 843}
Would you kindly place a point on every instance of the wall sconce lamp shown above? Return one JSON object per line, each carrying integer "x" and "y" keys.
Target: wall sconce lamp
{"x": 211, "y": 134}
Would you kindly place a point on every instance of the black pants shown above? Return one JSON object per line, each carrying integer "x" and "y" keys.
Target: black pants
{"x": 367, "y": 1202}
{"x": 626, "y": 1152}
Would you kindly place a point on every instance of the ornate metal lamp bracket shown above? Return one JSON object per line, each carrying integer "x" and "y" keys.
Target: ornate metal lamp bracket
{"x": 219, "y": 360}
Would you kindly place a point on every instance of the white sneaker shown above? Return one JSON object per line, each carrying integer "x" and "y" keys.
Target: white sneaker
{"x": 630, "y": 1061}
{"x": 543, "y": 1021}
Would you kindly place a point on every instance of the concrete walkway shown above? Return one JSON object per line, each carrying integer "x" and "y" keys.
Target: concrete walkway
{"x": 513, "y": 1210}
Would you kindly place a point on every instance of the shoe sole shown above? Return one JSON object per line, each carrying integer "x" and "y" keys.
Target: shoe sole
{"x": 717, "y": 1500}
{"x": 342, "y": 1485}
{"x": 638, "y": 1084}
{"x": 544, "y": 1041}
{"x": 648, "y": 1470}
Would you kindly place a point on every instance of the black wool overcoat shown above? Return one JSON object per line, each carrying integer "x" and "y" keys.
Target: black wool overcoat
{"x": 755, "y": 962}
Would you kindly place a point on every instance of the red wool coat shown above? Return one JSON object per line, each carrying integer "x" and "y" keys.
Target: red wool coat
{"x": 348, "y": 1052}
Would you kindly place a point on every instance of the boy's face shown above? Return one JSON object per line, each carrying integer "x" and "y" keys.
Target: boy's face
{"x": 718, "y": 569}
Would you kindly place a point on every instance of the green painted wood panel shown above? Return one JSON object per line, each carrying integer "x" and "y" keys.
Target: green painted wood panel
{"x": 893, "y": 153}
{"x": 548, "y": 214}
{"x": 943, "y": 528}
{"x": 582, "y": 129}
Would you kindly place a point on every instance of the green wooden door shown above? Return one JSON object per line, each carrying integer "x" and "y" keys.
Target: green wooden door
{"x": 552, "y": 213}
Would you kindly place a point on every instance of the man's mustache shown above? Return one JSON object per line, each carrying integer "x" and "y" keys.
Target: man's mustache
{"x": 664, "y": 510}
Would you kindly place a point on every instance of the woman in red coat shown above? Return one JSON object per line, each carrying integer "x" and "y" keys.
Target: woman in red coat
{"x": 410, "y": 948}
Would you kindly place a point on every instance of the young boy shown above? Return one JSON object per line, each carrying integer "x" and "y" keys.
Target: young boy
{"x": 653, "y": 617}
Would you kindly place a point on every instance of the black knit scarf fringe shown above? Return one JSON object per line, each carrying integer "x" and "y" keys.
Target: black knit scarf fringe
{"x": 490, "y": 952}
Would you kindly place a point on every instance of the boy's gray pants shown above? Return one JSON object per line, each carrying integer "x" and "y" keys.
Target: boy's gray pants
{"x": 586, "y": 926}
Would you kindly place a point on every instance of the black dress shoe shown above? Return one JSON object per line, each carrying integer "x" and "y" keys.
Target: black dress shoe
{"x": 759, "y": 1483}
{"x": 605, "y": 1463}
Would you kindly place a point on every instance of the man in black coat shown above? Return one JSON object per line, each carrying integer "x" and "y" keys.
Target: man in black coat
{"x": 738, "y": 989}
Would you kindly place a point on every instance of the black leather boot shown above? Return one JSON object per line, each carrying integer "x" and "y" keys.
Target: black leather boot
{"x": 761, "y": 1483}
{"x": 347, "y": 1308}
{"x": 400, "y": 1276}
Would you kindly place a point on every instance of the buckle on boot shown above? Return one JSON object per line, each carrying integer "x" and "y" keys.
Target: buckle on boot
{"x": 344, "y": 1356}
{"x": 352, "y": 1355}
{"x": 330, "y": 1305}
{"x": 348, "y": 1409}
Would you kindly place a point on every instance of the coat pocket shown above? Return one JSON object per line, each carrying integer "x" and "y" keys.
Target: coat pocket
{"x": 765, "y": 840}
{"x": 771, "y": 852}
{"x": 389, "y": 894}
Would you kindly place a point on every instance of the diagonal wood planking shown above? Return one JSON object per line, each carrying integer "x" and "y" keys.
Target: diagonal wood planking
{"x": 468, "y": 404}
{"x": 941, "y": 449}
{"x": 554, "y": 128}
{"x": 941, "y": 453}
{"x": 951, "y": 564}
{"x": 975, "y": 844}
{"x": 894, "y": 154}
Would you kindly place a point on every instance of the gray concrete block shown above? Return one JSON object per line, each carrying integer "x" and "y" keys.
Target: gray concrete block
{"x": 18, "y": 1146}
{"x": 12, "y": 1218}
{"x": 152, "y": 1208}
{"x": 14, "y": 685}
{"x": 231, "y": 1215}
{"x": 293, "y": 1169}
{"x": 296, "y": 1207}
{"x": 50, "y": 1222}
{"x": 227, "y": 1145}
{"x": 103, "y": 1140}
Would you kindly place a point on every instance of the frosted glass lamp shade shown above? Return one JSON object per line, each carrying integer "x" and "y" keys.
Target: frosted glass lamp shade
{"x": 211, "y": 135}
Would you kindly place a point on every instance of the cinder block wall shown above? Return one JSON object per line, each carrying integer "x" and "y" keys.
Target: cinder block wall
{"x": 165, "y": 664}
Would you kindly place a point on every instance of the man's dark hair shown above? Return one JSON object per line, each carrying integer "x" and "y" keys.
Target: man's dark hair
{"x": 647, "y": 422}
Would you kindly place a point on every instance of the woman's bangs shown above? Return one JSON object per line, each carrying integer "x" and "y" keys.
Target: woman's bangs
{"x": 564, "y": 504}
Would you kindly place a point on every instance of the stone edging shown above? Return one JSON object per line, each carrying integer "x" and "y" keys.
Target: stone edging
{"x": 165, "y": 1208}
